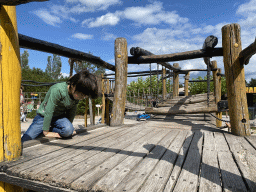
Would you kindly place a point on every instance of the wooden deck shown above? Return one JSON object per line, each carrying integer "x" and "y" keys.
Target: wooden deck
{"x": 181, "y": 153}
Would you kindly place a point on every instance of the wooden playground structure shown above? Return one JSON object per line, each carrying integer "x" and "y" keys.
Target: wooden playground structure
{"x": 168, "y": 153}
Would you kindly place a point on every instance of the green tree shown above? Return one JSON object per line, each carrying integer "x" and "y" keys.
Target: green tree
{"x": 53, "y": 67}
{"x": 24, "y": 60}
{"x": 201, "y": 87}
{"x": 252, "y": 83}
{"x": 97, "y": 70}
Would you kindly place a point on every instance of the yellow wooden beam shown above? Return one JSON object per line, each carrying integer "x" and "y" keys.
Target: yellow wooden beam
{"x": 10, "y": 82}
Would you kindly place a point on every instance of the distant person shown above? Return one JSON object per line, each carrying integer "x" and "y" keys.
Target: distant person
{"x": 23, "y": 113}
{"x": 56, "y": 113}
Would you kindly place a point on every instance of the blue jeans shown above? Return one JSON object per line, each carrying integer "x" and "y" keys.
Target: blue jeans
{"x": 59, "y": 124}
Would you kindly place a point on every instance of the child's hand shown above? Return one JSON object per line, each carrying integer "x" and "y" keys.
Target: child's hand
{"x": 51, "y": 134}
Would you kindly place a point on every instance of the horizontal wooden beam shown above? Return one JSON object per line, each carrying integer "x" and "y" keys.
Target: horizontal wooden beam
{"x": 175, "y": 56}
{"x": 140, "y": 52}
{"x": 183, "y": 109}
{"x": 18, "y": 2}
{"x": 192, "y": 81}
{"x": 40, "y": 45}
{"x": 247, "y": 53}
{"x": 220, "y": 74}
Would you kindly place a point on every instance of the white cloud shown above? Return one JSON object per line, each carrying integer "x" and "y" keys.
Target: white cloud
{"x": 47, "y": 17}
{"x": 152, "y": 14}
{"x": 90, "y": 6}
{"x": 108, "y": 19}
{"x": 108, "y": 37}
{"x": 82, "y": 36}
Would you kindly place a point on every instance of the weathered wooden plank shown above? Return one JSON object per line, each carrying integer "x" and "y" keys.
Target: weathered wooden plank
{"x": 30, "y": 153}
{"x": 65, "y": 178}
{"x": 188, "y": 179}
{"x": 201, "y": 101}
{"x": 178, "y": 165}
{"x": 110, "y": 181}
{"x": 245, "y": 156}
{"x": 230, "y": 175}
{"x": 16, "y": 170}
{"x": 252, "y": 140}
{"x": 160, "y": 175}
{"x": 32, "y": 185}
{"x": 55, "y": 167}
{"x": 134, "y": 180}
{"x": 58, "y": 164}
{"x": 86, "y": 181}
{"x": 210, "y": 177}
{"x": 182, "y": 109}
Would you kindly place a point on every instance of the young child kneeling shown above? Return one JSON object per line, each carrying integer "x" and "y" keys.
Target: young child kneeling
{"x": 56, "y": 113}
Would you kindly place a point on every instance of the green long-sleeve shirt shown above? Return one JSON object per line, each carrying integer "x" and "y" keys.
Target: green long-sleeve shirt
{"x": 57, "y": 102}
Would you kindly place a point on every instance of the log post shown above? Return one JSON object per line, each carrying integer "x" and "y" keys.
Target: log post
{"x": 71, "y": 63}
{"x": 216, "y": 91}
{"x": 186, "y": 84}
{"x": 219, "y": 115}
{"x": 86, "y": 110}
{"x": 234, "y": 72}
{"x": 121, "y": 61}
{"x": 93, "y": 111}
{"x": 175, "y": 82}
{"x": 103, "y": 101}
{"x": 164, "y": 83}
{"x": 107, "y": 105}
{"x": 10, "y": 70}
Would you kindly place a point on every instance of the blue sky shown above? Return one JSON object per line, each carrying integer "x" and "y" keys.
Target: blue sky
{"x": 161, "y": 27}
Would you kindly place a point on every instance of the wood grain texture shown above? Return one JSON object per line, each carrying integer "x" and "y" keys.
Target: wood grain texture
{"x": 210, "y": 177}
{"x": 121, "y": 60}
{"x": 236, "y": 89}
{"x": 86, "y": 181}
{"x": 135, "y": 179}
{"x": 188, "y": 179}
{"x": 245, "y": 156}
{"x": 111, "y": 180}
{"x": 230, "y": 175}
{"x": 183, "y": 109}
{"x": 216, "y": 90}
{"x": 160, "y": 175}
{"x": 81, "y": 164}
{"x": 179, "y": 163}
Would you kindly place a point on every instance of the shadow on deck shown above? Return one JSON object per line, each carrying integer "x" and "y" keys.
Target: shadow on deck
{"x": 166, "y": 153}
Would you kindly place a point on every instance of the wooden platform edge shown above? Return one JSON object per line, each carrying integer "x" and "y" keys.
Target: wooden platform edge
{"x": 29, "y": 184}
{"x": 42, "y": 140}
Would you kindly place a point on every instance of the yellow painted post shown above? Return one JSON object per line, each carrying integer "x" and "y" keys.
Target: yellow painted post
{"x": 10, "y": 83}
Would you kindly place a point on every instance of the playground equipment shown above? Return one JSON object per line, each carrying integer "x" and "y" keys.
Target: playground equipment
{"x": 10, "y": 148}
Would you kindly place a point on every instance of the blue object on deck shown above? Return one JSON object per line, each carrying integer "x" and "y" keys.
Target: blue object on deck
{"x": 142, "y": 116}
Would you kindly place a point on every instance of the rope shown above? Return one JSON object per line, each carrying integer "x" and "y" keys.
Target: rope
{"x": 219, "y": 118}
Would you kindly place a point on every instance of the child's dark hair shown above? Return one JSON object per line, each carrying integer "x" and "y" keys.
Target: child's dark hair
{"x": 84, "y": 82}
